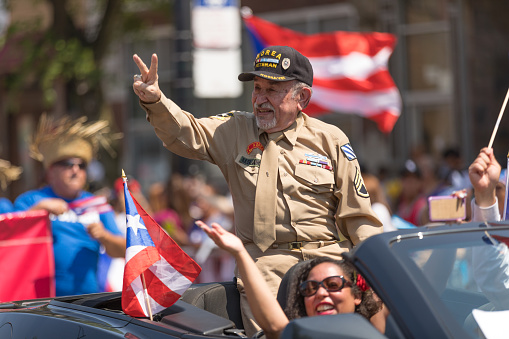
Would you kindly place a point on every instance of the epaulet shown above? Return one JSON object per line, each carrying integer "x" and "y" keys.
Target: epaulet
{"x": 224, "y": 116}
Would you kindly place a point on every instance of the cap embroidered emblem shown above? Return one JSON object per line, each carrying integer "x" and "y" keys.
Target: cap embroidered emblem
{"x": 286, "y": 63}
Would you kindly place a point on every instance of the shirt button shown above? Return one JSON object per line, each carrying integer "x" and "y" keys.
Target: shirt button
{"x": 282, "y": 152}
{"x": 316, "y": 180}
{"x": 285, "y": 174}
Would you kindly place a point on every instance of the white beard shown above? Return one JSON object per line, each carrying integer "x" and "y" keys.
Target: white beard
{"x": 266, "y": 125}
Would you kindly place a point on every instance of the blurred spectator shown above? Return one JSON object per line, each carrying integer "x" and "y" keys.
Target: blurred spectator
{"x": 8, "y": 173}
{"x": 216, "y": 265}
{"x": 453, "y": 170}
{"x": 81, "y": 223}
{"x": 412, "y": 203}
{"x": 379, "y": 202}
{"x": 163, "y": 198}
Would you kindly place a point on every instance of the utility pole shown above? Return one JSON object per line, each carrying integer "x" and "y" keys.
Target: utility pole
{"x": 182, "y": 81}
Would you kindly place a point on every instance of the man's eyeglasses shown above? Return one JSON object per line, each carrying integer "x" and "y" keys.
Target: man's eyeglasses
{"x": 331, "y": 284}
{"x": 68, "y": 164}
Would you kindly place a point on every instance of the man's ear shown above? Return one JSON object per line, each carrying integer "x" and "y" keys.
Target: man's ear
{"x": 303, "y": 98}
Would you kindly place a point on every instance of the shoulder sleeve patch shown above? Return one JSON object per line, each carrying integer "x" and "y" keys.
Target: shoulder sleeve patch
{"x": 360, "y": 188}
{"x": 348, "y": 152}
{"x": 223, "y": 116}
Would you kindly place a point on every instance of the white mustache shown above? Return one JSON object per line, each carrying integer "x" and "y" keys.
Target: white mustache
{"x": 265, "y": 105}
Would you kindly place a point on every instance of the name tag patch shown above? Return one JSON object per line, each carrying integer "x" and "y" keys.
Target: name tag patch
{"x": 250, "y": 161}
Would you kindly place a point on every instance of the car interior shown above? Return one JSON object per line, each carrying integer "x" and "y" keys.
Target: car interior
{"x": 213, "y": 309}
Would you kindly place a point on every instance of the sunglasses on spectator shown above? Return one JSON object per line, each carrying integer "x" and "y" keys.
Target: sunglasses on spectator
{"x": 332, "y": 284}
{"x": 68, "y": 164}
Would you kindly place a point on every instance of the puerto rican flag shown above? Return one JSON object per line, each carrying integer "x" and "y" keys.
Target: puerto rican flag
{"x": 152, "y": 256}
{"x": 350, "y": 69}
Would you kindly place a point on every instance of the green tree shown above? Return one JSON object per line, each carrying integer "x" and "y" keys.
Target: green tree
{"x": 64, "y": 61}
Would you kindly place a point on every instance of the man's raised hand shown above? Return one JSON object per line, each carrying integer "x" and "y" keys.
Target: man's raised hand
{"x": 145, "y": 84}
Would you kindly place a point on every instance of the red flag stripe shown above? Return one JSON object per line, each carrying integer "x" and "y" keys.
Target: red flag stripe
{"x": 131, "y": 304}
{"x": 141, "y": 261}
{"x": 379, "y": 81}
{"x": 159, "y": 291}
{"x": 321, "y": 44}
{"x": 168, "y": 248}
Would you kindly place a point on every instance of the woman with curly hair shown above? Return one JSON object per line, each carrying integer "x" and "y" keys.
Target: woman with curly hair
{"x": 305, "y": 296}
{"x": 323, "y": 286}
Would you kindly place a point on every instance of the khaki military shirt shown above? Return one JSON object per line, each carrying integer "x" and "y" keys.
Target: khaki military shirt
{"x": 321, "y": 195}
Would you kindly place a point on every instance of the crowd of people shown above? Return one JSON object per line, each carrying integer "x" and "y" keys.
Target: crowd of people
{"x": 296, "y": 194}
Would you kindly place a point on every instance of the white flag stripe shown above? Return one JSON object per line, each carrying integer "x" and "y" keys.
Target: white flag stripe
{"x": 354, "y": 65}
{"x": 131, "y": 251}
{"x": 137, "y": 286}
{"x": 155, "y": 306}
{"x": 172, "y": 278}
{"x": 362, "y": 103}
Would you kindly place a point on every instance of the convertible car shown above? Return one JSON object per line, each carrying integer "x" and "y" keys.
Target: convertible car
{"x": 446, "y": 281}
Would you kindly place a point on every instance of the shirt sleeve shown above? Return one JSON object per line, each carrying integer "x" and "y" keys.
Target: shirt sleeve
{"x": 490, "y": 213}
{"x": 490, "y": 263}
{"x": 187, "y": 136}
{"x": 355, "y": 217}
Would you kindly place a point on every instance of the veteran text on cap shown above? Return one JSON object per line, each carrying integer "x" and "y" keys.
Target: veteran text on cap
{"x": 280, "y": 63}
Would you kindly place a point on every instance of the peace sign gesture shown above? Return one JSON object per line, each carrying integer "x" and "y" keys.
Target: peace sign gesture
{"x": 146, "y": 84}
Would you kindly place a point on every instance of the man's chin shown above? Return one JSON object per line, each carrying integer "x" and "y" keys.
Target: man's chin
{"x": 266, "y": 124}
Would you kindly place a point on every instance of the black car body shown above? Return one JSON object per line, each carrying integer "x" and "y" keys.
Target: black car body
{"x": 430, "y": 278}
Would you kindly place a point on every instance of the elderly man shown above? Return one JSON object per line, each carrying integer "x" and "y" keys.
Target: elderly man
{"x": 295, "y": 181}
{"x": 65, "y": 148}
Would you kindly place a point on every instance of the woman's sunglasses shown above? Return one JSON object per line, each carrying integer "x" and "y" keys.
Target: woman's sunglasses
{"x": 331, "y": 284}
{"x": 67, "y": 164}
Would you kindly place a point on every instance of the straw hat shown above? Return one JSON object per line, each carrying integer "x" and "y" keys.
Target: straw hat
{"x": 8, "y": 173}
{"x": 62, "y": 138}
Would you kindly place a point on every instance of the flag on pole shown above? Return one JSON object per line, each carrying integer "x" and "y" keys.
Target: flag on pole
{"x": 350, "y": 69}
{"x": 157, "y": 270}
{"x": 95, "y": 204}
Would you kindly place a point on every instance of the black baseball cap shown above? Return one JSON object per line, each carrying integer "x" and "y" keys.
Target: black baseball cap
{"x": 280, "y": 63}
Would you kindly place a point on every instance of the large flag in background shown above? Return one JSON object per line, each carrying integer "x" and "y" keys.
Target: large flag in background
{"x": 153, "y": 256}
{"x": 26, "y": 256}
{"x": 350, "y": 69}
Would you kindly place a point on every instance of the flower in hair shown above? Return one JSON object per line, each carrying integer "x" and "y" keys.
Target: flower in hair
{"x": 361, "y": 283}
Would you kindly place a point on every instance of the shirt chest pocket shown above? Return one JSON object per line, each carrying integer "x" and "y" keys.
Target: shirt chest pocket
{"x": 247, "y": 174}
{"x": 317, "y": 179}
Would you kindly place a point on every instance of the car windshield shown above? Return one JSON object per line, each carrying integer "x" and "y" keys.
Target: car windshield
{"x": 469, "y": 271}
